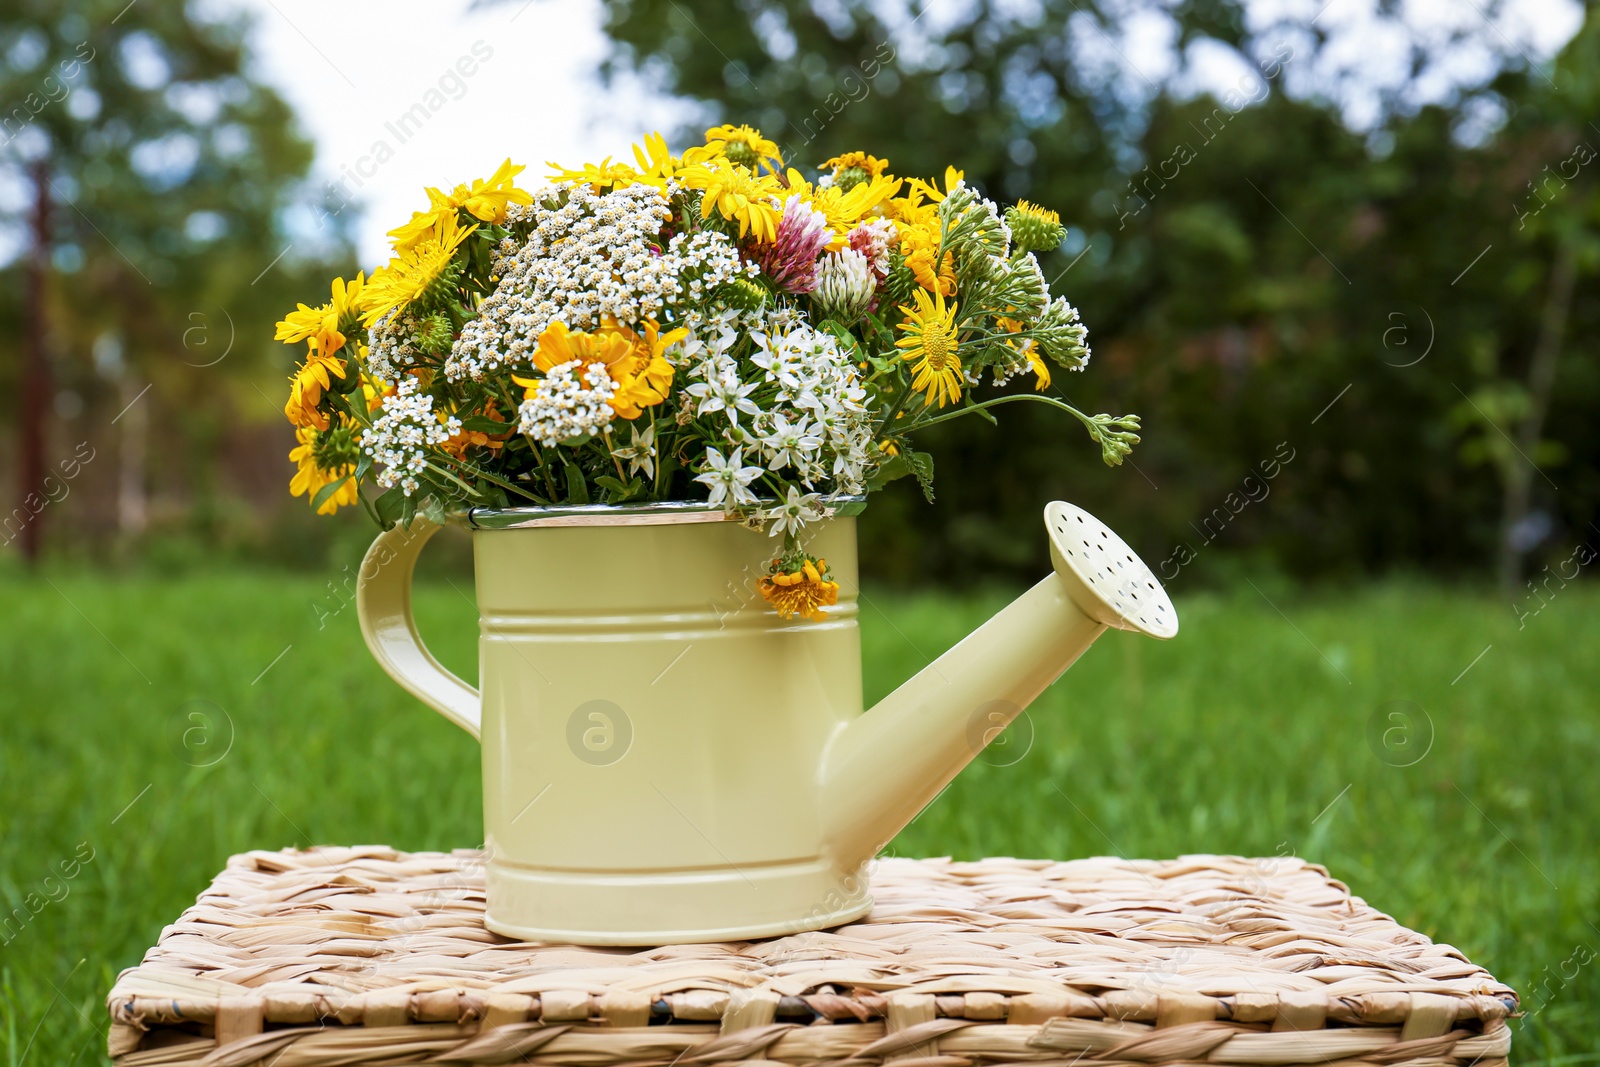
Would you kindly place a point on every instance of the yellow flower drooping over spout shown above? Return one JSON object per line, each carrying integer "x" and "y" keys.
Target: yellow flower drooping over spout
{"x": 931, "y": 346}
{"x": 738, "y": 195}
{"x": 406, "y": 277}
{"x": 803, "y": 591}
{"x": 485, "y": 199}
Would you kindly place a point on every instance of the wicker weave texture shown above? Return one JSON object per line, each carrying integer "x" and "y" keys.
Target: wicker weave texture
{"x": 373, "y": 956}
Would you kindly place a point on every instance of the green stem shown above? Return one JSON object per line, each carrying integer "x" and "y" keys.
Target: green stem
{"x": 997, "y": 401}
{"x": 609, "y": 447}
{"x": 502, "y": 483}
{"x": 660, "y": 462}
{"x": 471, "y": 492}
{"x": 894, "y": 409}
{"x": 544, "y": 468}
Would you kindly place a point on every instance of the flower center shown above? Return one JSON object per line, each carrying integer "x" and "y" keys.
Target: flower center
{"x": 936, "y": 346}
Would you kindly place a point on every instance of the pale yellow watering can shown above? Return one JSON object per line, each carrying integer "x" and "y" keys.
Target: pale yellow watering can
{"x": 666, "y": 760}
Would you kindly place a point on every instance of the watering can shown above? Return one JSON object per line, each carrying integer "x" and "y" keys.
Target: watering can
{"x": 667, "y": 760}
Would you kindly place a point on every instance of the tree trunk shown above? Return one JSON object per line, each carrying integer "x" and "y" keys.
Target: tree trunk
{"x": 132, "y": 510}
{"x": 35, "y": 394}
{"x": 1518, "y": 489}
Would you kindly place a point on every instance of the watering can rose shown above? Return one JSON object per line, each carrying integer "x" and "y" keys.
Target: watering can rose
{"x": 711, "y": 326}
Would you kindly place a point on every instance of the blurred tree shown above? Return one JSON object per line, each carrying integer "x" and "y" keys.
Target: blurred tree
{"x": 1260, "y": 278}
{"x": 150, "y": 180}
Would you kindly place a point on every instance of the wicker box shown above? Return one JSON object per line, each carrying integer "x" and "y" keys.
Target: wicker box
{"x": 372, "y": 956}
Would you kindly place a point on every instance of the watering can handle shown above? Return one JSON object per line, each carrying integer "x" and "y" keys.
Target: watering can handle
{"x": 383, "y": 603}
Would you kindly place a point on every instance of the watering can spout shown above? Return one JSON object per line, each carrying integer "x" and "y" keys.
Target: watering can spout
{"x": 886, "y": 766}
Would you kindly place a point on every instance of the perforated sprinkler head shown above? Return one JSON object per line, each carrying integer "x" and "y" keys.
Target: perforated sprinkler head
{"x": 1104, "y": 577}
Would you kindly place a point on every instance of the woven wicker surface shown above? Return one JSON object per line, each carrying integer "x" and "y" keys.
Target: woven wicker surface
{"x": 369, "y": 956}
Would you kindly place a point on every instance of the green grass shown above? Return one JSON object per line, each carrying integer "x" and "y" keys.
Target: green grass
{"x": 1250, "y": 733}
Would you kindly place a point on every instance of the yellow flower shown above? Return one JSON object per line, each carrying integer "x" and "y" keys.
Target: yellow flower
{"x": 1034, "y": 211}
{"x": 919, "y": 244}
{"x": 406, "y": 277}
{"x": 742, "y": 145}
{"x": 643, "y": 377}
{"x": 324, "y": 327}
{"x": 485, "y": 199}
{"x": 311, "y": 476}
{"x": 601, "y": 175}
{"x": 557, "y": 345}
{"x": 931, "y": 343}
{"x": 635, "y": 364}
{"x": 1029, "y": 348}
{"x": 805, "y": 591}
{"x": 843, "y": 209}
{"x": 304, "y": 396}
{"x": 306, "y": 387}
{"x": 931, "y": 190}
{"x": 737, "y": 194}
{"x": 1041, "y": 369}
{"x": 656, "y": 161}
{"x": 872, "y": 166}
{"x": 917, "y": 222}
{"x": 458, "y": 444}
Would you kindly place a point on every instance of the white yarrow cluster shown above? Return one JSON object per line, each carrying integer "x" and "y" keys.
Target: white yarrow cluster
{"x": 390, "y": 346}
{"x": 400, "y": 437}
{"x": 573, "y": 401}
{"x": 596, "y": 257}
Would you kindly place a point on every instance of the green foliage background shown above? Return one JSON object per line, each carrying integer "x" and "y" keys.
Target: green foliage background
{"x": 1241, "y": 262}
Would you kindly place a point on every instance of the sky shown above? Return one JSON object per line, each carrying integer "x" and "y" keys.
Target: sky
{"x": 515, "y": 80}
{"x": 519, "y": 79}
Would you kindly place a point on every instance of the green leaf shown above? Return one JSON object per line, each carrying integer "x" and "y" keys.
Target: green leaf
{"x": 895, "y": 468}
{"x": 433, "y": 510}
{"x": 577, "y": 486}
{"x": 408, "y": 509}
{"x": 921, "y": 465}
{"x": 352, "y": 374}
{"x": 390, "y": 506}
{"x": 327, "y": 491}
{"x": 363, "y": 465}
{"x": 484, "y": 424}
{"x": 621, "y": 491}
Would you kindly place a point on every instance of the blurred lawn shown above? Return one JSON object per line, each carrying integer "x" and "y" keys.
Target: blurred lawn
{"x": 1239, "y": 736}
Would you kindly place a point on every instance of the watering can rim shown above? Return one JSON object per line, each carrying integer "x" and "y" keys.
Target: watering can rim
{"x": 655, "y": 513}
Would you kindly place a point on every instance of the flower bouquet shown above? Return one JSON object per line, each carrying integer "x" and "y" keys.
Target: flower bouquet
{"x": 713, "y": 326}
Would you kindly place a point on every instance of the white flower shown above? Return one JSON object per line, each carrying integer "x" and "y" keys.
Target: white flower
{"x": 399, "y": 438}
{"x": 789, "y": 444}
{"x": 641, "y": 453}
{"x": 573, "y": 400}
{"x": 728, "y": 477}
{"x": 795, "y": 511}
{"x": 725, "y": 393}
{"x": 845, "y": 285}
